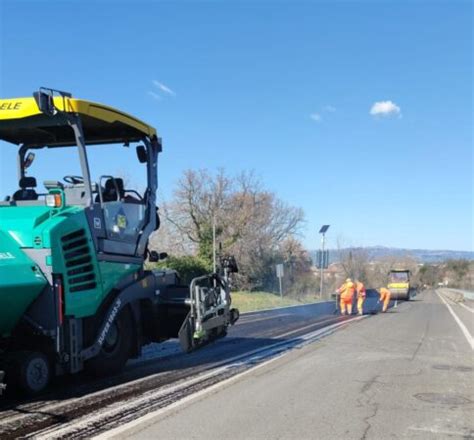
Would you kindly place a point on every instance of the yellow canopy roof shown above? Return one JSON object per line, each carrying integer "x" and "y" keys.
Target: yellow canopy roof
{"x": 21, "y": 122}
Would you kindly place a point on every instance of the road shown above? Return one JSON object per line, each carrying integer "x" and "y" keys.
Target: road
{"x": 405, "y": 374}
{"x": 82, "y": 407}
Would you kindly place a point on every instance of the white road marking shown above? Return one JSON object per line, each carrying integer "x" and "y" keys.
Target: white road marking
{"x": 449, "y": 299}
{"x": 438, "y": 431}
{"x": 251, "y": 321}
{"x": 120, "y": 429}
{"x": 304, "y": 328}
{"x": 275, "y": 350}
{"x": 461, "y": 325}
{"x": 202, "y": 393}
{"x": 56, "y": 404}
{"x": 458, "y": 303}
{"x": 466, "y": 307}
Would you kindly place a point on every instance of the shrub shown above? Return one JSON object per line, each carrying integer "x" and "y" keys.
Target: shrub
{"x": 188, "y": 267}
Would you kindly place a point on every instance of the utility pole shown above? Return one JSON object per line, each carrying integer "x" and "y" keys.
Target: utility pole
{"x": 214, "y": 257}
{"x": 322, "y": 262}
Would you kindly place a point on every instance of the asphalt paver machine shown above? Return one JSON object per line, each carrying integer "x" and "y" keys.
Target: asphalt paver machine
{"x": 74, "y": 292}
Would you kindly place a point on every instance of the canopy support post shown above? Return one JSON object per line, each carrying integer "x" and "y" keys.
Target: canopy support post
{"x": 75, "y": 123}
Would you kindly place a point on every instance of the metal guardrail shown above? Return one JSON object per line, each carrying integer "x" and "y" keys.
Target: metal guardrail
{"x": 371, "y": 305}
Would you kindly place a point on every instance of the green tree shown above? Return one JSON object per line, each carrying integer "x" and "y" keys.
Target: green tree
{"x": 430, "y": 275}
{"x": 456, "y": 272}
{"x": 188, "y": 267}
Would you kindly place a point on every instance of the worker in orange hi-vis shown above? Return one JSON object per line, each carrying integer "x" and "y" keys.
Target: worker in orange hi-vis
{"x": 384, "y": 298}
{"x": 346, "y": 292}
{"x": 360, "y": 288}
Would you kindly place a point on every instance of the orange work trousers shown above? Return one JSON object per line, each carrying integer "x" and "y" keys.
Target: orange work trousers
{"x": 386, "y": 301}
{"x": 346, "y": 302}
{"x": 360, "y": 304}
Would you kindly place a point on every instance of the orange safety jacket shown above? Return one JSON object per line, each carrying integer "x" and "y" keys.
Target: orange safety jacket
{"x": 360, "y": 290}
{"x": 347, "y": 290}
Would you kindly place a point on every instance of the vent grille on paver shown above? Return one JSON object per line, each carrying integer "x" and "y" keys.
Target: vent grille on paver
{"x": 77, "y": 256}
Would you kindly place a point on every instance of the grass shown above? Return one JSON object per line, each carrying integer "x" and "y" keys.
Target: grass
{"x": 251, "y": 301}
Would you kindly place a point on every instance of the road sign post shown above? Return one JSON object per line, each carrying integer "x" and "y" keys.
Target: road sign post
{"x": 279, "y": 272}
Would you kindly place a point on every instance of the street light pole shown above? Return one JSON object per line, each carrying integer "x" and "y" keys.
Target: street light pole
{"x": 322, "y": 231}
{"x": 322, "y": 267}
{"x": 214, "y": 257}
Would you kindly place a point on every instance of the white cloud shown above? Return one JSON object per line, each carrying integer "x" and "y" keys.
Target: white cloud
{"x": 163, "y": 88}
{"x": 154, "y": 95}
{"x": 385, "y": 108}
{"x": 317, "y": 117}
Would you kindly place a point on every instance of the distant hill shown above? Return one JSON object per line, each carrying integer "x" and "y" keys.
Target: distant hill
{"x": 422, "y": 255}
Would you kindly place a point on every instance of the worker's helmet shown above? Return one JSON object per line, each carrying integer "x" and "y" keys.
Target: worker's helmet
{"x": 348, "y": 280}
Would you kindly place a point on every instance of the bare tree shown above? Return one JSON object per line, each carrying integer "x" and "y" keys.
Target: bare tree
{"x": 380, "y": 268}
{"x": 353, "y": 260}
{"x": 251, "y": 222}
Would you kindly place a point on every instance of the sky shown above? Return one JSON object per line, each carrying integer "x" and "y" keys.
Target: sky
{"x": 359, "y": 112}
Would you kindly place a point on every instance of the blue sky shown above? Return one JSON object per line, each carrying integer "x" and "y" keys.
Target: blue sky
{"x": 284, "y": 88}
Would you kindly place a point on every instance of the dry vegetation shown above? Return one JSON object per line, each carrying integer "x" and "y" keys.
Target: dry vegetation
{"x": 261, "y": 230}
{"x": 252, "y": 224}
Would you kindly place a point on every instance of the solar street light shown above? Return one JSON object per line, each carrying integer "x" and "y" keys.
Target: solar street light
{"x": 323, "y": 261}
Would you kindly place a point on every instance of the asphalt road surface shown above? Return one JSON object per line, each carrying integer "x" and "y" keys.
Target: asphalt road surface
{"x": 408, "y": 373}
{"x": 81, "y": 407}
